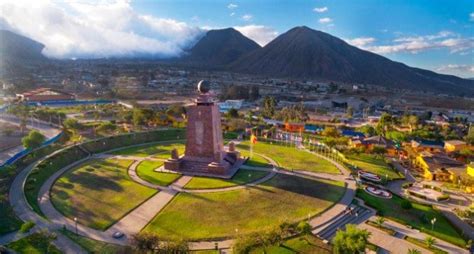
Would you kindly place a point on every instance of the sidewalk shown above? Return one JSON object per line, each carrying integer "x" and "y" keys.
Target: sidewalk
{"x": 443, "y": 245}
{"x": 388, "y": 242}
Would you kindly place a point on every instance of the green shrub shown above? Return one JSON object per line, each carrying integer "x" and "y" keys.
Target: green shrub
{"x": 443, "y": 197}
{"x": 405, "y": 204}
{"x": 25, "y": 227}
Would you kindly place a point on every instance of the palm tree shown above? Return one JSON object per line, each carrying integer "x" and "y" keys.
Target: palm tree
{"x": 430, "y": 241}
{"x": 379, "y": 221}
{"x": 414, "y": 251}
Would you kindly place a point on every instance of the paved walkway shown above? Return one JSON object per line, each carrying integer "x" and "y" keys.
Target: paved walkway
{"x": 450, "y": 248}
{"x": 25, "y": 213}
{"x": 390, "y": 243}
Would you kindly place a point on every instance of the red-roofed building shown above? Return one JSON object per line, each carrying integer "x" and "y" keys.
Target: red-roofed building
{"x": 45, "y": 94}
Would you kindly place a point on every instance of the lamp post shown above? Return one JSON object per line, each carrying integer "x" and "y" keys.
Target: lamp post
{"x": 75, "y": 222}
{"x": 432, "y": 223}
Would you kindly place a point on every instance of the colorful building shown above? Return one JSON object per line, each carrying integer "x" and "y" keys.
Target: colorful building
{"x": 470, "y": 169}
{"x": 439, "y": 166}
{"x": 454, "y": 145}
{"x": 294, "y": 127}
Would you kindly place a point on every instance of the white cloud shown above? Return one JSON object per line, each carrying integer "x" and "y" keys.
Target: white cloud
{"x": 247, "y": 17}
{"x": 325, "y": 20}
{"x": 113, "y": 28}
{"x": 260, "y": 34}
{"x": 232, "y": 14}
{"x": 452, "y": 42}
{"x": 471, "y": 16}
{"x": 361, "y": 41}
{"x": 321, "y": 9}
{"x": 232, "y": 6}
{"x": 462, "y": 70}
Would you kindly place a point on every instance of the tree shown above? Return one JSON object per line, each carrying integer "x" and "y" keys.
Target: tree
{"x": 352, "y": 240}
{"x": 330, "y": 132}
{"x": 414, "y": 251}
{"x": 33, "y": 140}
{"x": 367, "y": 130}
{"x": 430, "y": 241}
{"x": 379, "y": 221}
{"x": 22, "y": 111}
{"x": 349, "y": 112}
{"x": 269, "y": 105}
{"x": 145, "y": 242}
{"x": 72, "y": 124}
{"x": 138, "y": 117}
{"x": 470, "y": 135}
{"x": 384, "y": 123}
{"x": 233, "y": 113}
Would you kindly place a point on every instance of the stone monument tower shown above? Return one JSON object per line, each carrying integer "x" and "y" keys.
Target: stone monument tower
{"x": 205, "y": 153}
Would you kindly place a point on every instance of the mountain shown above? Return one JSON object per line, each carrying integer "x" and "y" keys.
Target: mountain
{"x": 18, "y": 48}
{"x": 219, "y": 48}
{"x": 306, "y": 53}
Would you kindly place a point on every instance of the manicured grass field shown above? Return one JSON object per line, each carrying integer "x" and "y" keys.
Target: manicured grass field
{"x": 211, "y": 215}
{"x": 419, "y": 216}
{"x": 241, "y": 177}
{"x": 291, "y": 158}
{"x": 45, "y": 169}
{"x": 374, "y": 164}
{"x": 34, "y": 244}
{"x": 256, "y": 160}
{"x": 98, "y": 193}
{"x": 305, "y": 244}
{"x": 94, "y": 246}
{"x": 158, "y": 150}
{"x": 145, "y": 170}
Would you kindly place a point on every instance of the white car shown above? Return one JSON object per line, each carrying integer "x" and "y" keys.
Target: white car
{"x": 117, "y": 235}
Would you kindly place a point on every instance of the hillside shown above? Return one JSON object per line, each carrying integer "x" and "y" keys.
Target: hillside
{"x": 306, "y": 53}
{"x": 219, "y": 47}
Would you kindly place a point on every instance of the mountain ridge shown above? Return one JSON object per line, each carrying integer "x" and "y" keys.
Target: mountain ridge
{"x": 302, "y": 52}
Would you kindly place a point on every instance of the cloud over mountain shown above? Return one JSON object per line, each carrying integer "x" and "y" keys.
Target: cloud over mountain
{"x": 73, "y": 29}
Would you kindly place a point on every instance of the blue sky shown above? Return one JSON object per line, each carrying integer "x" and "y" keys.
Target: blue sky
{"x": 383, "y": 21}
{"x": 432, "y": 34}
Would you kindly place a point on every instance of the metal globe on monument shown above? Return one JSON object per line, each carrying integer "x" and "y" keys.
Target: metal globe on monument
{"x": 204, "y": 86}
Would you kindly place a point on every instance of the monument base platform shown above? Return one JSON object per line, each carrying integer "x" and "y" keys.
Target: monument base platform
{"x": 222, "y": 170}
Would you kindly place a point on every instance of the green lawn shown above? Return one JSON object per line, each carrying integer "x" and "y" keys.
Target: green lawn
{"x": 98, "y": 193}
{"x": 291, "y": 158}
{"x": 256, "y": 160}
{"x": 374, "y": 164}
{"x": 419, "y": 216}
{"x": 34, "y": 244}
{"x": 145, "y": 170}
{"x": 305, "y": 244}
{"x": 241, "y": 177}
{"x": 45, "y": 169}
{"x": 212, "y": 215}
{"x": 159, "y": 150}
{"x": 94, "y": 246}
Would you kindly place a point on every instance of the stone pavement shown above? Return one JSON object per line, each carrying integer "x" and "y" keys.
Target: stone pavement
{"x": 137, "y": 219}
{"x": 450, "y": 248}
{"x": 390, "y": 243}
